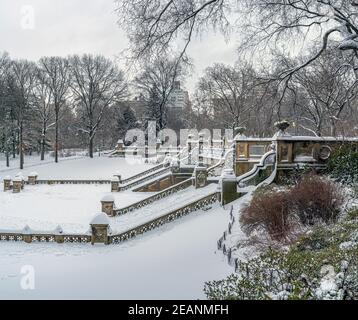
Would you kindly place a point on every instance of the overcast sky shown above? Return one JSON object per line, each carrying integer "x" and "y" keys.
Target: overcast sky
{"x": 84, "y": 26}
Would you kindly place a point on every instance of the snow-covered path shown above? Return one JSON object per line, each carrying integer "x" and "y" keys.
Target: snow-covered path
{"x": 172, "y": 262}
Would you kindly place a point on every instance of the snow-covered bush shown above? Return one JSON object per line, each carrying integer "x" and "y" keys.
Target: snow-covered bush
{"x": 322, "y": 265}
{"x": 314, "y": 199}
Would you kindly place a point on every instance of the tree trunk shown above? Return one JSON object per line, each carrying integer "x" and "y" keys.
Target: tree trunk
{"x": 56, "y": 138}
{"x": 7, "y": 159}
{"x": 90, "y": 146}
{"x": 43, "y": 142}
{"x": 21, "y": 147}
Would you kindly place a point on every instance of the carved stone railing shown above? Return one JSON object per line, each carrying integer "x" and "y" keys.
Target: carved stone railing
{"x": 147, "y": 178}
{"x": 166, "y": 218}
{"x": 158, "y": 196}
{"x": 44, "y": 237}
{"x": 70, "y": 181}
{"x": 144, "y": 173}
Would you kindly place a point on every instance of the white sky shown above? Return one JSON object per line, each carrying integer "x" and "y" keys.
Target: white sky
{"x": 78, "y": 26}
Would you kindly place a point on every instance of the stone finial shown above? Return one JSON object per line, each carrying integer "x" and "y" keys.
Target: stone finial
{"x": 283, "y": 125}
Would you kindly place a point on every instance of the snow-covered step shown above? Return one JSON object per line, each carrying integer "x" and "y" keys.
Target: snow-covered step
{"x": 123, "y": 223}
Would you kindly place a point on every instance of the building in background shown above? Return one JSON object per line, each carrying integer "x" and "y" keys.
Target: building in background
{"x": 179, "y": 98}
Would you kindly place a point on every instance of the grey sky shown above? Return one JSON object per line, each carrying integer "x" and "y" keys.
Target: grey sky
{"x": 78, "y": 26}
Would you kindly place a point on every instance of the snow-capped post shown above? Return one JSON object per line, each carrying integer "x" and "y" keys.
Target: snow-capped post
{"x": 108, "y": 205}
{"x": 26, "y": 232}
{"x": 119, "y": 176}
{"x": 201, "y": 149}
{"x": 32, "y": 178}
{"x": 120, "y": 148}
{"x": 228, "y": 186}
{"x": 59, "y": 237}
{"x": 115, "y": 181}
{"x": 190, "y": 145}
{"x": 7, "y": 183}
{"x": 200, "y": 176}
{"x": 17, "y": 185}
{"x": 100, "y": 229}
{"x": 146, "y": 153}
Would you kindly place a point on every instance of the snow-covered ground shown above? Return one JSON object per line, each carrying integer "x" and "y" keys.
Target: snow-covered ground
{"x": 171, "y": 262}
{"x": 78, "y": 168}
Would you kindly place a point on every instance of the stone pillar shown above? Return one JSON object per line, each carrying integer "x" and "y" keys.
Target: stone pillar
{"x": 32, "y": 178}
{"x": 200, "y": 177}
{"x": 115, "y": 184}
{"x": 222, "y": 146}
{"x": 108, "y": 205}
{"x": 59, "y": 238}
{"x": 100, "y": 229}
{"x": 228, "y": 186}
{"x": 201, "y": 149}
{"x": 7, "y": 183}
{"x": 190, "y": 148}
{"x": 17, "y": 185}
{"x": 26, "y": 232}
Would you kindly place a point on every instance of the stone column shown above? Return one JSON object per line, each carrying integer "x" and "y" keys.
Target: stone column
{"x": 7, "y": 183}
{"x": 190, "y": 148}
{"x": 200, "y": 177}
{"x": 228, "y": 186}
{"x": 17, "y": 185}
{"x": 32, "y": 178}
{"x": 100, "y": 229}
{"x": 115, "y": 184}
{"x": 201, "y": 149}
{"x": 108, "y": 205}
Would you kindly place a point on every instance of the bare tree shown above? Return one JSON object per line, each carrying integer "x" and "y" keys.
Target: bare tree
{"x": 57, "y": 77}
{"x": 156, "y": 84}
{"x": 96, "y": 84}
{"x": 232, "y": 91}
{"x": 21, "y": 81}
{"x": 43, "y": 106}
{"x": 154, "y": 25}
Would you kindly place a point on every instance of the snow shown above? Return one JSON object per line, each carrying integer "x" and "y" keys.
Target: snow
{"x": 172, "y": 262}
{"x": 100, "y": 219}
{"x": 79, "y": 168}
{"x": 159, "y": 208}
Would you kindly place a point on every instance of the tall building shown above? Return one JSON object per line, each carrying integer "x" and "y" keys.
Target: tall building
{"x": 179, "y": 98}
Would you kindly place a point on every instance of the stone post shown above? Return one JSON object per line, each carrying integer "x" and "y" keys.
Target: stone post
{"x": 115, "y": 184}
{"x": 228, "y": 186}
{"x": 222, "y": 146}
{"x": 190, "y": 147}
{"x": 17, "y": 185}
{"x": 108, "y": 205}
{"x": 32, "y": 178}
{"x": 200, "y": 177}
{"x": 26, "y": 232}
{"x": 100, "y": 229}
{"x": 146, "y": 153}
{"x": 201, "y": 149}
{"x": 59, "y": 238}
{"x": 7, "y": 183}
